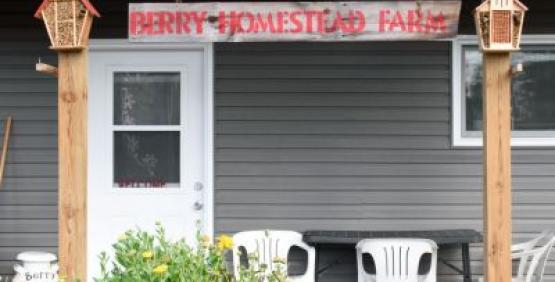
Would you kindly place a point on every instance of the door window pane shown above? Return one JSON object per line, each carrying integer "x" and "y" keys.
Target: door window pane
{"x": 146, "y": 98}
{"x": 533, "y": 98}
{"x": 146, "y": 159}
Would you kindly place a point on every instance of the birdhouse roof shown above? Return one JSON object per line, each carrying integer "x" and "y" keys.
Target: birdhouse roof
{"x": 518, "y": 3}
{"x": 86, "y": 3}
{"x": 522, "y": 6}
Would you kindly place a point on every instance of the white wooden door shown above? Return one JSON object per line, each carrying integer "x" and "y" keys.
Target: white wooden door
{"x": 149, "y": 143}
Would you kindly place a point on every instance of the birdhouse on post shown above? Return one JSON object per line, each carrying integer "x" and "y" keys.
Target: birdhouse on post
{"x": 499, "y": 25}
{"x": 68, "y": 22}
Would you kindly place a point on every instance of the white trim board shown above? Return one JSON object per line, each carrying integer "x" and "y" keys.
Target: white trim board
{"x": 457, "y": 138}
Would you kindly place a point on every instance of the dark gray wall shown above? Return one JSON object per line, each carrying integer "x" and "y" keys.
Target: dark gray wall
{"x": 355, "y": 136}
{"x": 28, "y": 196}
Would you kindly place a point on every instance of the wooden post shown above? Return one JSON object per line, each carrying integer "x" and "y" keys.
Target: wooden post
{"x": 72, "y": 146}
{"x": 497, "y": 166}
{"x": 71, "y": 45}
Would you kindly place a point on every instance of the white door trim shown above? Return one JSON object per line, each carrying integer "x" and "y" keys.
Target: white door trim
{"x": 108, "y": 45}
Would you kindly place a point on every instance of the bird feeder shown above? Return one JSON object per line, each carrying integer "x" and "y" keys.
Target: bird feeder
{"x": 499, "y": 25}
{"x": 68, "y": 22}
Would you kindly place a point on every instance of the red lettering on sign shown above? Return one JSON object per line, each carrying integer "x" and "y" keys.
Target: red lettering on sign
{"x": 329, "y": 23}
{"x": 235, "y": 23}
{"x": 182, "y": 23}
{"x": 140, "y": 183}
{"x": 309, "y": 18}
{"x": 398, "y": 22}
{"x": 148, "y": 28}
{"x": 436, "y": 23}
{"x": 137, "y": 19}
{"x": 321, "y": 21}
{"x": 336, "y": 23}
{"x": 280, "y": 22}
{"x": 165, "y": 22}
{"x": 264, "y": 23}
{"x": 199, "y": 18}
{"x": 414, "y": 22}
{"x": 361, "y": 20}
{"x": 383, "y": 20}
{"x": 222, "y": 21}
{"x": 250, "y": 21}
{"x": 296, "y": 22}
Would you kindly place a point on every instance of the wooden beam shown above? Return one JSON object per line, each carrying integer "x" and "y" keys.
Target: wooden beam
{"x": 72, "y": 146}
{"x": 46, "y": 69}
{"x": 5, "y": 144}
{"x": 497, "y": 167}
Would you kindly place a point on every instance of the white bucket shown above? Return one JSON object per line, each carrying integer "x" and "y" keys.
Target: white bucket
{"x": 37, "y": 266}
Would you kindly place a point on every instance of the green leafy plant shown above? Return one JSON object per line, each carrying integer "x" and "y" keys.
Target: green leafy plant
{"x": 257, "y": 272}
{"x": 140, "y": 256}
{"x": 143, "y": 257}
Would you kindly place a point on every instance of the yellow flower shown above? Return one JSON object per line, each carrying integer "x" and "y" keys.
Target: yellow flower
{"x": 160, "y": 269}
{"x": 148, "y": 254}
{"x": 225, "y": 243}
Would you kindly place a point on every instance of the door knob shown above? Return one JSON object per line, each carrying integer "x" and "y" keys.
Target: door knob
{"x": 198, "y": 186}
{"x": 198, "y": 206}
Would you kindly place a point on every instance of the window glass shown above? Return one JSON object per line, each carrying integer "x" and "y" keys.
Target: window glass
{"x": 146, "y": 159}
{"x": 533, "y": 99}
{"x": 146, "y": 98}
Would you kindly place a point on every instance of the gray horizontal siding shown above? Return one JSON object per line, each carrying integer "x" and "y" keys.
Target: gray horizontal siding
{"x": 355, "y": 136}
{"x": 29, "y": 194}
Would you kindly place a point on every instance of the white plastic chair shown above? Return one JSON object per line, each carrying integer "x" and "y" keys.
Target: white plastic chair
{"x": 269, "y": 245}
{"x": 528, "y": 245}
{"x": 532, "y": 256}
{"x": 397, "y": 260}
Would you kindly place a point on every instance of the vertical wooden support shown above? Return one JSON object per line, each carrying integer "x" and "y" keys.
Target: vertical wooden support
{"x": 497, "y": 166}
{"x": 72, "y": 146}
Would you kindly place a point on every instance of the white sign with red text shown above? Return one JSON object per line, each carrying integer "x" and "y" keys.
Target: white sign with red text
{"x": 293, "y": 21}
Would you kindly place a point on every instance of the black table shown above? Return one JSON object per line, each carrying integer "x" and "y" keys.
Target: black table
{"x": 459, "y": 237}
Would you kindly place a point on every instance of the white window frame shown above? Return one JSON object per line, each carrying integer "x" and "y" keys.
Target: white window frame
{"x": 179, "y": 128}
{"x": 458, "y": 139}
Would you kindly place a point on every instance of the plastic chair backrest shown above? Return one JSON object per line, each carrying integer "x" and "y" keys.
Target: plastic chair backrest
{"x": 542, "y": 238}
{"x": 397, "y": 259}
{"x": 533, "y": 261}
{"x": 528, "y": 245}
{"x": 269, "y": 245}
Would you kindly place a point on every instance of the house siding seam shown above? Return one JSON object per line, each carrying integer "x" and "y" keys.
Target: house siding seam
{"x": 355, "y": 136}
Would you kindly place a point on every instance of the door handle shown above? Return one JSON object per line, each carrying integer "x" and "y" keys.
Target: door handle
{"x": 199, "y": 186}
{"x": 199, "y": 204}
